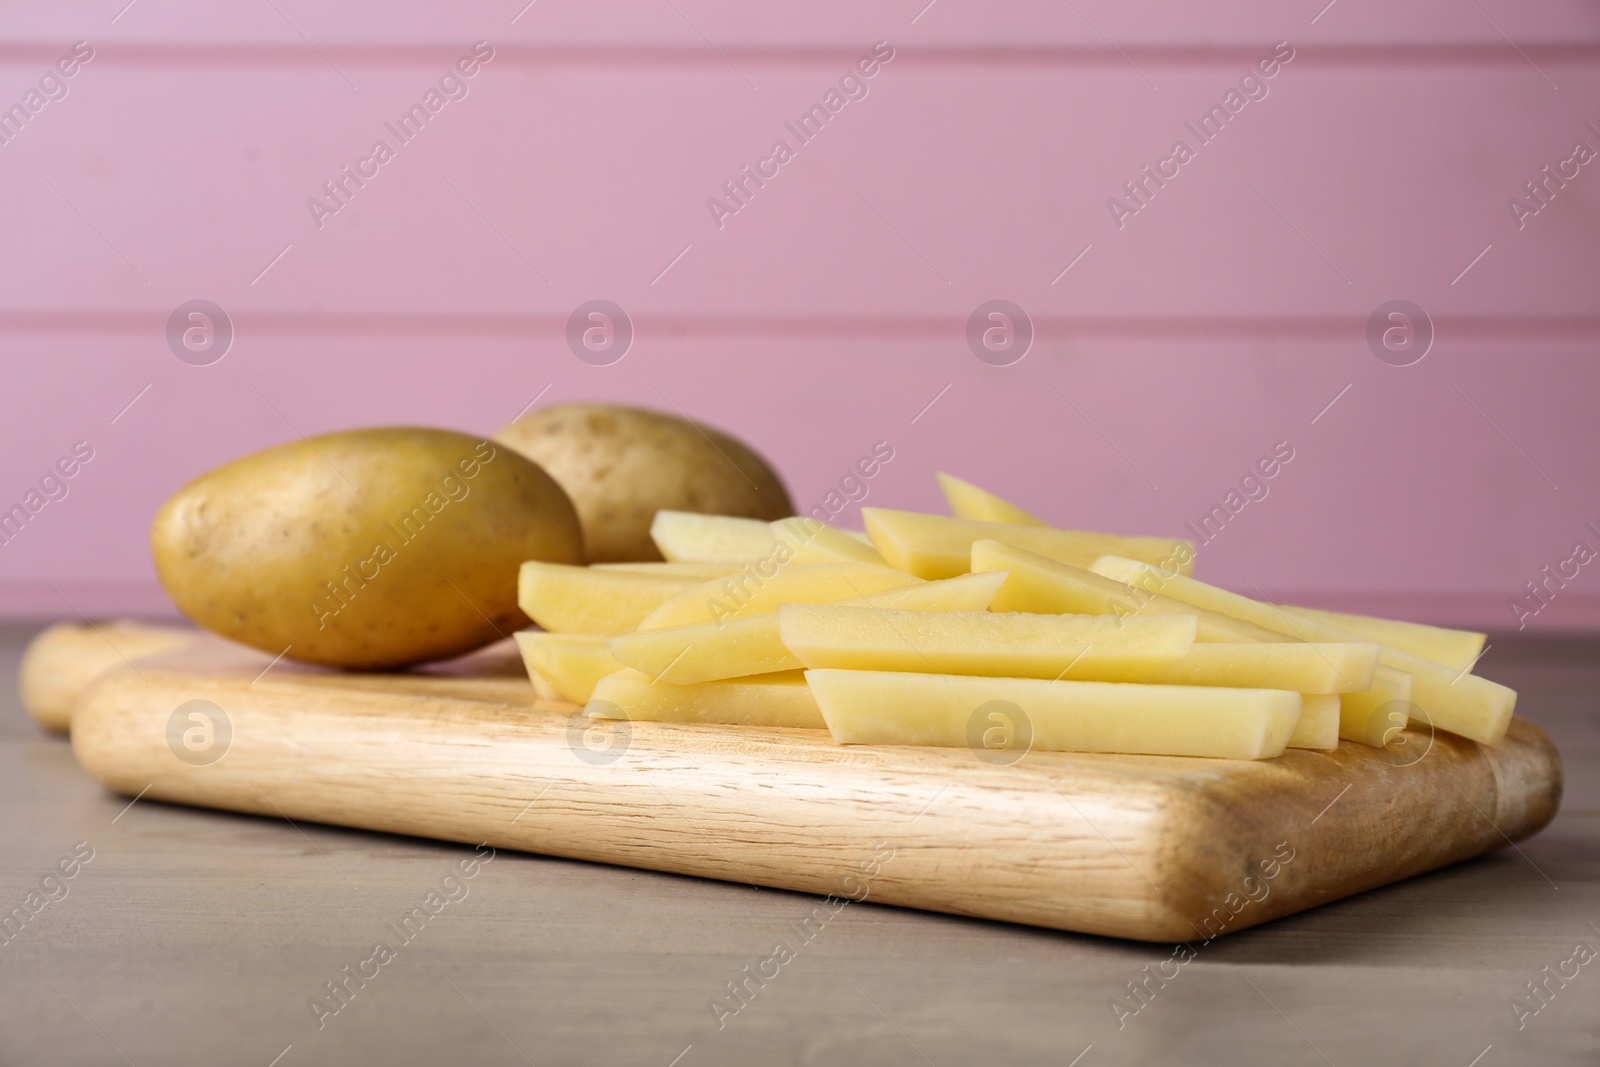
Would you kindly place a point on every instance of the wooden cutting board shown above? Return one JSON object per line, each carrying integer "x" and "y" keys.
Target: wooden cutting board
{"x": 1152, "y": 848}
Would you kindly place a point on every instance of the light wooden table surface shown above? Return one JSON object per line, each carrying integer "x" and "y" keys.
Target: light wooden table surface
{"x": 199, "y": 937}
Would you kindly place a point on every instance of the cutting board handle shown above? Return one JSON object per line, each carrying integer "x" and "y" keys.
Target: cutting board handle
{"x": 61, "y": 662}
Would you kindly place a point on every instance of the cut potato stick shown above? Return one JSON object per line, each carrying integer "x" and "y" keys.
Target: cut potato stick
{"x": 966, "y": 592}
{"x": 706, "y": 651}
{"x": 1324, "y": 667}
{"x": 981, "y": 642}
{"x": 967, "y": 501}
{"x": 734, "y": 648}
{"x": 1375, "y": 715}
{"x": 565, "y": 666}
{"x": 1319, "y": 722}
{"x": 901, "y": 708}
{"x": 583, "y": 600}
{"x": 1458, "y": 649}
{"x": 1452, "y": 699}
{"x": 752, "y": 593}
{"x": 543, "y": 688}
{"x": 694, "y": 569}
{"x": 770, "y": 700}
{"x": 686, "y": 535}
{"x": 933, "y": 546}
{"x": 1040, "y": 584}
{"x": 816, "y": 542}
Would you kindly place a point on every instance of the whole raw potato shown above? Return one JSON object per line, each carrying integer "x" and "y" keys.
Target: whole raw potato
{"x": 621, "y": 465}
{"x": 366, "y": 548}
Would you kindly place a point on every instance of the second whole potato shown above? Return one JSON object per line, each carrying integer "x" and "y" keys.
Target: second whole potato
{"x": 620, "y": 465}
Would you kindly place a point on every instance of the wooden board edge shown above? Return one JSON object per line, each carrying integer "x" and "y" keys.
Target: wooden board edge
{"x": 980, "y": 862}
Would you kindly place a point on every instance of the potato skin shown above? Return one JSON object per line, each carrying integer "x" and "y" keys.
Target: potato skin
{"x": 620, "y": 465}
{"x": 344, "y": 547}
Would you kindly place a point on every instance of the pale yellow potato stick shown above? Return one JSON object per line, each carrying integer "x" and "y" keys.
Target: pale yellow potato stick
{"x": 769, "y": 700}
{"x": 565, "y": 666}
{"x": 1458, "y": 649}
{"x": 1324, "y": 667}
{"x": 933, "y": 546}
{"x": 816, "y": 542}
{"x": 1454, "y": 700}
{"x": 706, "y": 652}
{"x": 981, "y": 642}
{"x": 1040, "y": 584}
{"x": 904, "y": 708}
{"x": 967, "y": 501}
{"x": 1374, "y": 716}
{"x": 696, "y": 570}
{"x": 1319, "y": 722}
{"x": 583, "y": 600}
{"x": 966, "y": 592}
{"x": 686, "y": 535}
{"x": 763, "y": 588}
{"x": 543, "y": 687}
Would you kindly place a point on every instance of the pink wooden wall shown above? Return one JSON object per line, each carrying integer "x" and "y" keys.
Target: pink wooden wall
{"x": 831, "y": 309}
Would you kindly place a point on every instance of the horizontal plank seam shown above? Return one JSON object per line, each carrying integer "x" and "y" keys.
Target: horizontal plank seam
{"x": 85, "y": 321}
{"x": 411, "y": 54}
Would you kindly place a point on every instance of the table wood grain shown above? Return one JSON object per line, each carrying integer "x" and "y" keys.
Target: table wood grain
{"x": 203, "y": 937}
